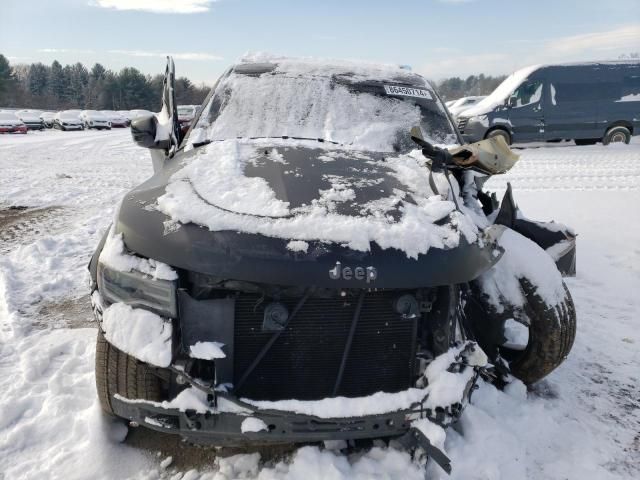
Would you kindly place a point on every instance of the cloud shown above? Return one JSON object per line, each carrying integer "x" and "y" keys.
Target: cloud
{"x": 623, "y": 38}
{"x": 519, "y": 53}
{"x": 64, "y": 50}
{"x": 157, "y": 6}
{"x": 194, "y": 56}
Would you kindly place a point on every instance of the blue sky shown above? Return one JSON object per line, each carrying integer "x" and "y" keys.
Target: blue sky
{"x": 436, "y": 37}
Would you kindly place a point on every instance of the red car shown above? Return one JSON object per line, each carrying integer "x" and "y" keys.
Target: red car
{"x": 9, "y": 123}
{"x": 186, "y": 114}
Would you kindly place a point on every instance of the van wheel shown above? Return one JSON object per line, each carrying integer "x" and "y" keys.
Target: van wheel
{"x": 498, "y": 132}
{"x": 122, "y": 374}
{"x": 617, "y": 134}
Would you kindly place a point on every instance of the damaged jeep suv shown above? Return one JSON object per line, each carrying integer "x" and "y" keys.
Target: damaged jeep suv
{"x": 316, "y": 259}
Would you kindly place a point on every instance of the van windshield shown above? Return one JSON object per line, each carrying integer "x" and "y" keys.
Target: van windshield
{"x": 336, "y": 106}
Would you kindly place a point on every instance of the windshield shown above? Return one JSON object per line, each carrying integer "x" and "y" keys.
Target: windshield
{"x": 7, "y": 116}
{"x": 342, "y": 106}
{"x": 68, "y": 116}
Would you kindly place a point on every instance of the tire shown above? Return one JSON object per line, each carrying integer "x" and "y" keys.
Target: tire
{"x": 551, "y": 335}
{"x": 552, "y": 330}
{"x": 498, "y": 132}
{"x": 617, "y": 134}
{"x": 586, "y": 141}
{"x": 122, "y": 374}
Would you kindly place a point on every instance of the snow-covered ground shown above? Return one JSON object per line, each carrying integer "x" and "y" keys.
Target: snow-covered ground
{"x": 582, "y": 422}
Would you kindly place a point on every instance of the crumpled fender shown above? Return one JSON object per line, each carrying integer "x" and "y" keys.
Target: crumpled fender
{"x": 558, "y": 240}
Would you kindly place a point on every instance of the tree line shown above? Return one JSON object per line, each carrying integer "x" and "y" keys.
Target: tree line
{"x": 456, "y": 87}
{"x": 57, "y": 87}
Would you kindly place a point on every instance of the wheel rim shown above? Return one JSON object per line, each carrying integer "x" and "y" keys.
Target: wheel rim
{"x": 618, "y": 137}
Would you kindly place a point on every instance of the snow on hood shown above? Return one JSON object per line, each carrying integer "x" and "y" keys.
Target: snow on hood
{"x": 501, "y": 93}
{"x": 213, "y": 190}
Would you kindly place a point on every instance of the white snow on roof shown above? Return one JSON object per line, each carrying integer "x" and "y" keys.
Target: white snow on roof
{"x": 328, "y": 66}
{"x": 502, "y": 91}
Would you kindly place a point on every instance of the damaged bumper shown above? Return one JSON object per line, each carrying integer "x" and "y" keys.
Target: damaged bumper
{"x": 225, "y": 428}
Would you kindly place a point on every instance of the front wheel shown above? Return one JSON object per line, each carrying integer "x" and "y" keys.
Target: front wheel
{"x": 552, "y": 331}
{"x": 500, "y": 133}
{"x": 122, "y": 374}
{"x": 521, "y": 311}
{"x": 617, "y": 134}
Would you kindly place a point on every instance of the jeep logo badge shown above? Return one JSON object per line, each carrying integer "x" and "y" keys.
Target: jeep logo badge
{"x": 358, "y": 273}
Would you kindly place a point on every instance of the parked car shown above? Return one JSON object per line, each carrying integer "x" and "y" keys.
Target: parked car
{"x": 449, "y": 103}
{"x": 94, "y": 119}
{"x": 116, "y": 118}
{"x": 47, "y": 118}
{"x": 586, "y": 102}
{"x": 186, "y": 114}
{"x": 68, "y": 120}
{"x": 463, "y": 103}
{"x": 9, "y": 123}
{"x": 31, "y": 118}
{"x": 298, "y": 253}
{"x": 139, "y": 113}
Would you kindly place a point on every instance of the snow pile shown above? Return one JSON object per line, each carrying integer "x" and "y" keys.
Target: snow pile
{"x": 522, "y": 259}
{"x": 253, "y": 424}
{"x": 217, "y": 174}
{"x": 114, "y": 255}
{"x": 213, "y": 183}
{"x": 138, "y": 332}
{"x": 298, "y": 246}
{"x": 192, "y": 398}
{"x": 207, "y": 350}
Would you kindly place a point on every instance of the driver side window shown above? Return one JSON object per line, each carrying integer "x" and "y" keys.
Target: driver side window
{"x": 528, "y": 93}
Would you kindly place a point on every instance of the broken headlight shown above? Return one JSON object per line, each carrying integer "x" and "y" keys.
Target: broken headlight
{"x": 138, "y": 290}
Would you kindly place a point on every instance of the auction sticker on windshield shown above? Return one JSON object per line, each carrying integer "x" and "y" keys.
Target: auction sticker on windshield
{"x": 407, "y": 91}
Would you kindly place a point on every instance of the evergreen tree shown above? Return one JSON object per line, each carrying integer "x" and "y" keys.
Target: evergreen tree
{"x": 7, "y": 80}
{"x": 56, "y": 81}
{"x": 37, "y": 79}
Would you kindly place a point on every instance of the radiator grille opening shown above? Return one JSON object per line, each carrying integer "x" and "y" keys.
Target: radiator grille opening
{"x": 304, "y": 362}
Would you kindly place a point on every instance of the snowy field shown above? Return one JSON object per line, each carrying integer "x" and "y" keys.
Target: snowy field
{"x": 582, "y": 422}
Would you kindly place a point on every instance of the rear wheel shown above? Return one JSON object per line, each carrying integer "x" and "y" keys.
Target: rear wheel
{"x": 617, "y": 134}
{"x": 122, "y": 374}
{"x": 498, "y": 132}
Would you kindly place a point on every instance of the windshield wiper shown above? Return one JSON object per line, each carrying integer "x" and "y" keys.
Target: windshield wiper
{"x": 282, "y": 137}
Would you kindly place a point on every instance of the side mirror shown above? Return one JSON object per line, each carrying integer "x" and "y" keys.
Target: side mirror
{"x": 144, "y": 130}
{"x": 512, "y": 102}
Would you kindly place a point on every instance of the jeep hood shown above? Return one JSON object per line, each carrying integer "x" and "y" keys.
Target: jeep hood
{"x": 285, "y": 212}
